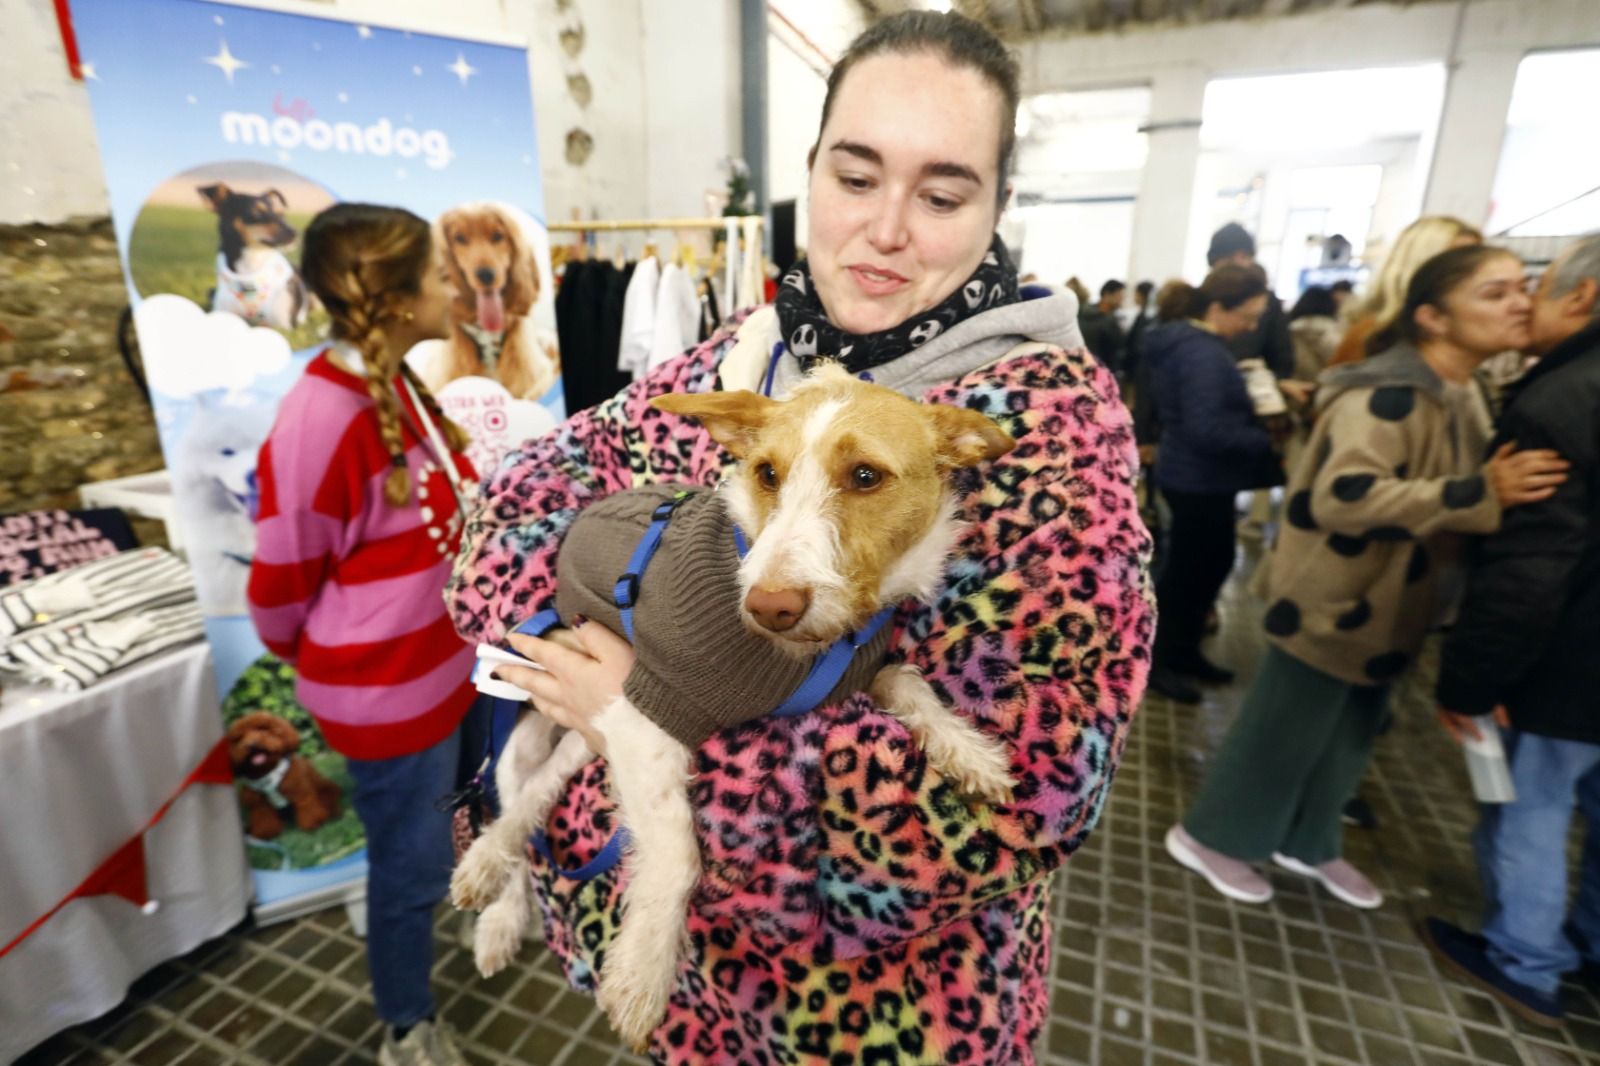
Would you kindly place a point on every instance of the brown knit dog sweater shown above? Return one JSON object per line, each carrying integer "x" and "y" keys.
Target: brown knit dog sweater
{"x": 698, "y": 668}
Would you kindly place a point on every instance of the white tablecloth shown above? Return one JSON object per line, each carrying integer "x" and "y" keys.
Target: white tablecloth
{"x": 79, "y": 775}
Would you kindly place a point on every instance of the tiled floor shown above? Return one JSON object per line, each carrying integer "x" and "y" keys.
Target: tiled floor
{"x": 1153, "y": 969}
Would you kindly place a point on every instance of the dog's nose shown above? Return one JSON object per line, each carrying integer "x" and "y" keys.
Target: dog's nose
{"x": 485, "y": 276}
{"x": 777, "y": 609}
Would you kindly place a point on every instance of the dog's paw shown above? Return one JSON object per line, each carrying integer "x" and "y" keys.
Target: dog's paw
{"x": 497, "y": 936}
{"x": 478, "y": 878}
{"x": 635, "y": 984}
{"x": 633, "y": 1014}
{"x": 975, "y": 764}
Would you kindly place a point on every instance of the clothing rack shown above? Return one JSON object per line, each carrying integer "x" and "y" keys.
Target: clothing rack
{"x": 745, "y": 229}
{"x": 611, "y": 226}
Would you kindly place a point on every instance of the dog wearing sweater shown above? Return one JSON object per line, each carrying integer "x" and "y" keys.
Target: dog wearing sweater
{"x": 842, "y": 494}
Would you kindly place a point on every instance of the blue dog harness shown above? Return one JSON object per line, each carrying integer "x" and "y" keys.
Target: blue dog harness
{"x": 824, "y": 675}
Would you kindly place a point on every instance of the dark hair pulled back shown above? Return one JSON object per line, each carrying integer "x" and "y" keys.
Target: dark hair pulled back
{"x": 961, "y": 42}
{"x": 1431, "y": 286}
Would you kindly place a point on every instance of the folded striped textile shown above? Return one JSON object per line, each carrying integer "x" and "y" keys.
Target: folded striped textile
{"x": 70, "y": 629}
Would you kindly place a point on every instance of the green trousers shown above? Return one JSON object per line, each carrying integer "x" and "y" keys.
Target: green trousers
{"x": 1292, "y": 758}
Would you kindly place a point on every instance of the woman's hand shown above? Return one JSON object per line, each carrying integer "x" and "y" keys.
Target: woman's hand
{"x": 1298, "y": 393}
{"x": 1525, "y": 477}
{"x": 575, "y": 684}
{"x": 1464, "y": 727}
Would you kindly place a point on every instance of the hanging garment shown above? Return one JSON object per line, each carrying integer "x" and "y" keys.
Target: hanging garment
{"x": 710, "y": 315}
{"x": 588, "y": 349}
{"x": 639, "y": 318}
{"x": 750, "y": 274}
{"x": 677, "y": 316}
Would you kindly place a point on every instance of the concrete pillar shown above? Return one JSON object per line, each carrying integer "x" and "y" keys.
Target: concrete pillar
{"x": 753, "y": 80}
{"x": 1166, "y": 188}
{"x": 1471, "y": 131}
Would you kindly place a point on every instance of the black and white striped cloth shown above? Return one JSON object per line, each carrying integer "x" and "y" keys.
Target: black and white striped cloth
{"x": 70, "y": 629}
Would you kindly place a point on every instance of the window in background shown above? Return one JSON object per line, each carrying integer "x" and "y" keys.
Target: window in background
{"x": 1296, "y": 158}
{"x": 1080, "y": 156}
{"x": 1548, "y": 182}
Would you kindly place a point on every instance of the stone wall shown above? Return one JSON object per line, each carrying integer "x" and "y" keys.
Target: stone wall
{"x": 70, "y": 412}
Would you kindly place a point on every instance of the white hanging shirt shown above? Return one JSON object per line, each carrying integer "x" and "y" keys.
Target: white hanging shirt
{"x": 677, "y": 325}
{"x": 639, "y": 318}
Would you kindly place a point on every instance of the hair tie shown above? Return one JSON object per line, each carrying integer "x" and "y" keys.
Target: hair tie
{"x": 398, "y": 459}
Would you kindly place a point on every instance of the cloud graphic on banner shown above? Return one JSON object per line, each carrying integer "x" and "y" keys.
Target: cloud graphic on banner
{"x": 188, "y": 351}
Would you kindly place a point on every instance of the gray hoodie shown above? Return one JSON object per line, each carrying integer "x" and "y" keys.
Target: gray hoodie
{"x": 974, "y": 343}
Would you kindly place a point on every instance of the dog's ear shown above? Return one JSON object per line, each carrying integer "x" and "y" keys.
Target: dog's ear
{"x": 734, "y": 419}
{"x": 967, "y": 437}
{"x": 522, "y": 276}
{"x": 444, "y": 232}
{"x": 274, "y": 194}
{"x": 213, "y": 195}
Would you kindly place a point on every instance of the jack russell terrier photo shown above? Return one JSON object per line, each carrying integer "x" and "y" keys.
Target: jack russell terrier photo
{"x": 768, "y": 595}
{"x": 255, "y": 280}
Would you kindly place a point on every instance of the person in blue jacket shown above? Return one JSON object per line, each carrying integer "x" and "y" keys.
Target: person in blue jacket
{"x": 1212, "y": 447}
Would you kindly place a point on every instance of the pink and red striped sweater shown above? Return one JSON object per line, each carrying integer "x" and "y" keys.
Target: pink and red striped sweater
{"x": 345, "y": 586}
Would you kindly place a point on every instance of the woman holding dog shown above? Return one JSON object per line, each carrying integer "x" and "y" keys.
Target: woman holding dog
{"x": 359, "y": 518}
{"x": 854, "y": 907}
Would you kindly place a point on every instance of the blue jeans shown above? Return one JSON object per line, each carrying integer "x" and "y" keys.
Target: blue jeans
{"x": 409, "y": 856}
{"x": 1522, "y": 859}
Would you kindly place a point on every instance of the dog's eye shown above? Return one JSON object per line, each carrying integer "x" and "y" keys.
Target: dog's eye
{"x": 767, "y": 476}
{"x": 461, "y": 238}
{"x": 865, "y": 478}
{"x": 496, "y": 237}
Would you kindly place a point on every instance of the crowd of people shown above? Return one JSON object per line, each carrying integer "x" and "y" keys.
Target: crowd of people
{"x": 1437, "y": 440}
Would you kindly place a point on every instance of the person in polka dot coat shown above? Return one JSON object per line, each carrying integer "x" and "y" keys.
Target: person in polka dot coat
{"x": 1369, "y": 557}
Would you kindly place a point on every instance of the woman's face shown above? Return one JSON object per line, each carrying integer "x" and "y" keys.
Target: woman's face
{"x": 430, "y": 307}
{"x": 1242, "y": 319}
{"x": 903, "y": 189}
{"x": 1488, "y": 313}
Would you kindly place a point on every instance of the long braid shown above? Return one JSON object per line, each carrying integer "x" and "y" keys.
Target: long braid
{"x": 364, "y": 316}
{"x": 363, "y": 261}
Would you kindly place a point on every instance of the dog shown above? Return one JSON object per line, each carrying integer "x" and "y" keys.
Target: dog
{"x": 497, "y": 283}
{"x": 842, "y": 492}
{"x": 276, "y": 783}
{"x": 255, "y": 280}
{"x": 215, "y": 491}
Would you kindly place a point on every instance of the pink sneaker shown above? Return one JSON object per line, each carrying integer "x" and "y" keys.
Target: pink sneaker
{"x": 1234, "y": 879}
{"x": 1340, "y": 878}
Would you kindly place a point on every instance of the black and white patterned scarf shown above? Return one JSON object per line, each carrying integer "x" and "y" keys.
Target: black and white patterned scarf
{"x": 811, "y": 338}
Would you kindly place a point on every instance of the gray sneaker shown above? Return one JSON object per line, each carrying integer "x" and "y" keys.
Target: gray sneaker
{"x": 427, "y": 1044}
{"x": 1234, "y": 879}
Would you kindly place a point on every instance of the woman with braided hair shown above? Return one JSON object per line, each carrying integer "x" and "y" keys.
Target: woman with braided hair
{"x": 362, "y": 480}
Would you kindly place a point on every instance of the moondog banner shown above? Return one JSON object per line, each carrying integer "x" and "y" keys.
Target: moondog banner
{"x": 223, "y": 130}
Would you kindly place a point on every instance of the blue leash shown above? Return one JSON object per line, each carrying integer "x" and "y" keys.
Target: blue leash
{"x": 823, "y": 677}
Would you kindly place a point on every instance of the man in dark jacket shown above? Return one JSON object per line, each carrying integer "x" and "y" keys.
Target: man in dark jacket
{"x": 1271, "y": 340}
{"x": 1102, "y": 333}
{"x": 1526, "y": 649}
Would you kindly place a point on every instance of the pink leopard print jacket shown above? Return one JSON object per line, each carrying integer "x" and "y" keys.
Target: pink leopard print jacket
{"x": 855, "y": 909}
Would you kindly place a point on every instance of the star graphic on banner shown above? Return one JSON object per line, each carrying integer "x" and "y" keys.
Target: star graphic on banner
{"x": 217, "y": 19}
{"x": 226, "y": 62}
{"x": 417, "y": 71}
{"x": 461, "y": 68}
{"x": 344, "y": 98}
{"x": 192, "y": 98}
{"x": 284, "y": 156}
{"x": 87, "y": 70}
{"x": 364, "y": 32}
